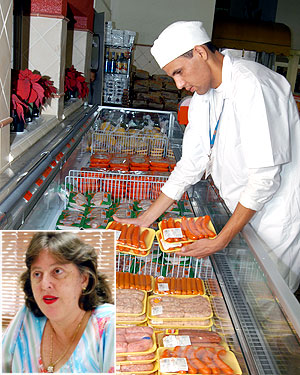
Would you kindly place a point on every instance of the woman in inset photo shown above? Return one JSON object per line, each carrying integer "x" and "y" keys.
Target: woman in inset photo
{"x": 67, "y": 322}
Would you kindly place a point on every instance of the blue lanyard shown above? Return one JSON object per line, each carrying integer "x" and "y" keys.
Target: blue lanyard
{"x": 212, "y": 138}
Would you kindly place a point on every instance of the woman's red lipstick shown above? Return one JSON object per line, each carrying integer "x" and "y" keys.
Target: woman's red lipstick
{"x": 49, "y": 299}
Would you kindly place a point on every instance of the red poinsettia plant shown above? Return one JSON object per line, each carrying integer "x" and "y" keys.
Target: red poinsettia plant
{"x": 29, "y": 89}
{"x": 75, "y": 81}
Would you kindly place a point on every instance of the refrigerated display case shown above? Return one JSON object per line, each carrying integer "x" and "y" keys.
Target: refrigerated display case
{"x": 254, "y": 310}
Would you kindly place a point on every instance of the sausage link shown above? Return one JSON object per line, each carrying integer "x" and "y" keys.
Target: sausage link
{"x": 122, "y": 238}
{"x": 221, "y": 364}
{"x": 126, "y": 280}
{"x": 178, "y": 287}
{"x": 199, "y": 225}
{"x": 131, "y": 281}
{"x": 118, "y": 226}
{"x": 148, "y": 285}
{"x": 137, "y": 282}
{"x": 193, "y": 227}
{"x": 135, "y": 237}
{"x": 200, "y": 366}
{"x": 206, "y": 221}
{"x": 189, "y": 286}
{"x": 112, "y": 225}
{"x": 129, "y": 234}
{"x": 186, "y": 228}
{"x": 210, "y": 363}
{"x": 194, "y": 286}
{"x": 183, "y": 286}
{"x": 199, "y": 286}
{"x": 121, "y": 280}
{"x": 172, "y": 285}
{"x": 143, "y": 239}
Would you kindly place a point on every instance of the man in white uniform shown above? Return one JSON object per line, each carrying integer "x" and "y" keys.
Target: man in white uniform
{"x": 244, "y": 130}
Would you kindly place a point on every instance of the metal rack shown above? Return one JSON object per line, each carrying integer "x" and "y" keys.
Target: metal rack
{"x": 124, "y": 186}
{"x": 132, "y": 143}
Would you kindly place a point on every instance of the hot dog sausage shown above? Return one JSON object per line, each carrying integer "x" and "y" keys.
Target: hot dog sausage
{"x": 206, "y": 221}
{"x": 135, "y": 237}
{"x": 129, "y": 234}
{"x": 221, "y": 364}
{"x": 186, "y": 229}
{"x": 122, "y": 238}
{"x": 143, "y": 237}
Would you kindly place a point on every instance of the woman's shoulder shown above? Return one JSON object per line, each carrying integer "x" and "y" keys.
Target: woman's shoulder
{"x": 25, "y": 317}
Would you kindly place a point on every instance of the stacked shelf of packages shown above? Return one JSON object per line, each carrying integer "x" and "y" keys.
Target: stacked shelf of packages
{"x": 180, "y": 343}
{"x": 118, "y": 50}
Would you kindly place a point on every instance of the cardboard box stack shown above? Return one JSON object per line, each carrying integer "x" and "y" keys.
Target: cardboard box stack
{"x": 154, "y": 92}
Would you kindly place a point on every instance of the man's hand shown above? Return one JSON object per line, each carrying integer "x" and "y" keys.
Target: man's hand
{"x": 136, "y": 221}
{"x": 201, "y": 248}
{"x": 206, "y": 247}
{"x": 145, "y": 219}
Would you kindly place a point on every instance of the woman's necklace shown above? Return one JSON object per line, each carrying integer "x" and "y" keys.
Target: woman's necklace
{"x": 52, "y": 364}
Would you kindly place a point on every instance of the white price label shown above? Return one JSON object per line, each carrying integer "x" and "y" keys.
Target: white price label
{"x": 167, "y": 245}
{"x": 163, "y": 287}
{"x": 156, "y": 310}
{"x": 118, "y": 233}
{"x": 173, "y": 364}
{"x": 172, "y": 233}
{"x": 171, "y": 341}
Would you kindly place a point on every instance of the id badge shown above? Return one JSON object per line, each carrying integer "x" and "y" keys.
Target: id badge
{"x": 208, "y": 166}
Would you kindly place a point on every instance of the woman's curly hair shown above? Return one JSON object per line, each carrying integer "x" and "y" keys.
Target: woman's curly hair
{"x": 68, "y": 248}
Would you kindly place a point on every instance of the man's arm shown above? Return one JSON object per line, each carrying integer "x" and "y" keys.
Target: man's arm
{"x": 234, "y": 225}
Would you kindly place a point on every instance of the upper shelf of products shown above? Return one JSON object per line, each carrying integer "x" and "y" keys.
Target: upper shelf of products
{"x": 118, "y": 38}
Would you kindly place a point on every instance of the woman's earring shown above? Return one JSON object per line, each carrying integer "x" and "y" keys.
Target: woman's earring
{"x": 83, "y": 290}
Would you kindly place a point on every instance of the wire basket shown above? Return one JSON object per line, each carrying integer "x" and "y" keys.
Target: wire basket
{"x": 130, "y": 143}
{"x": 137, "y": 186}
{"x": 127, "y": 186}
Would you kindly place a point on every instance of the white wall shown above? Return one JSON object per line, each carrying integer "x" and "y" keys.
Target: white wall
{"x": 288, "y": 12}
{"x": 101, "y": 6}
{"x": 150, "y": 17}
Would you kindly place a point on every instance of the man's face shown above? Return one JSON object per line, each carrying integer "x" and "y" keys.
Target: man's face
{"x": 193, "y": 74}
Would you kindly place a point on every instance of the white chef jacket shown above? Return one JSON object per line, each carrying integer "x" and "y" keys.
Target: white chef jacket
{"x": 255, "y": 157}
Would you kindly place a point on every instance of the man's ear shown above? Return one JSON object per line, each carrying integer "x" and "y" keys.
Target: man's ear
{"x": 201, "y": 51}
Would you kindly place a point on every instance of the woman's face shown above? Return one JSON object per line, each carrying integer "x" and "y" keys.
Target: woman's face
{"x": 56, "y": 286}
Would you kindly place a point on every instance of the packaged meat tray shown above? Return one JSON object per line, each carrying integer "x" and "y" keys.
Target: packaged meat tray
{"x": 136, "y": 252}
{"x": 197, "y": 360}
{"x": 168, "y": 247}
{"x": 138, "y": 340}
{"x": 126, "y": 280}
{"x": 186, "y": 229}
{"x": 175, "y": 324}
{"x": 130, "y": 303}
{"x": 133, "y": 237}
{"x": 136, "y": 359}
{"x": 140, "y": 368}
{"x": 131, "y": 320}
{"x": 179, "y": 308}
{"x": 178, "y": 285}
{"x": 185, "y": 337}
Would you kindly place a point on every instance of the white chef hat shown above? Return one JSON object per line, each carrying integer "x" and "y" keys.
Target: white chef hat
{"x": 176, "y": 39}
